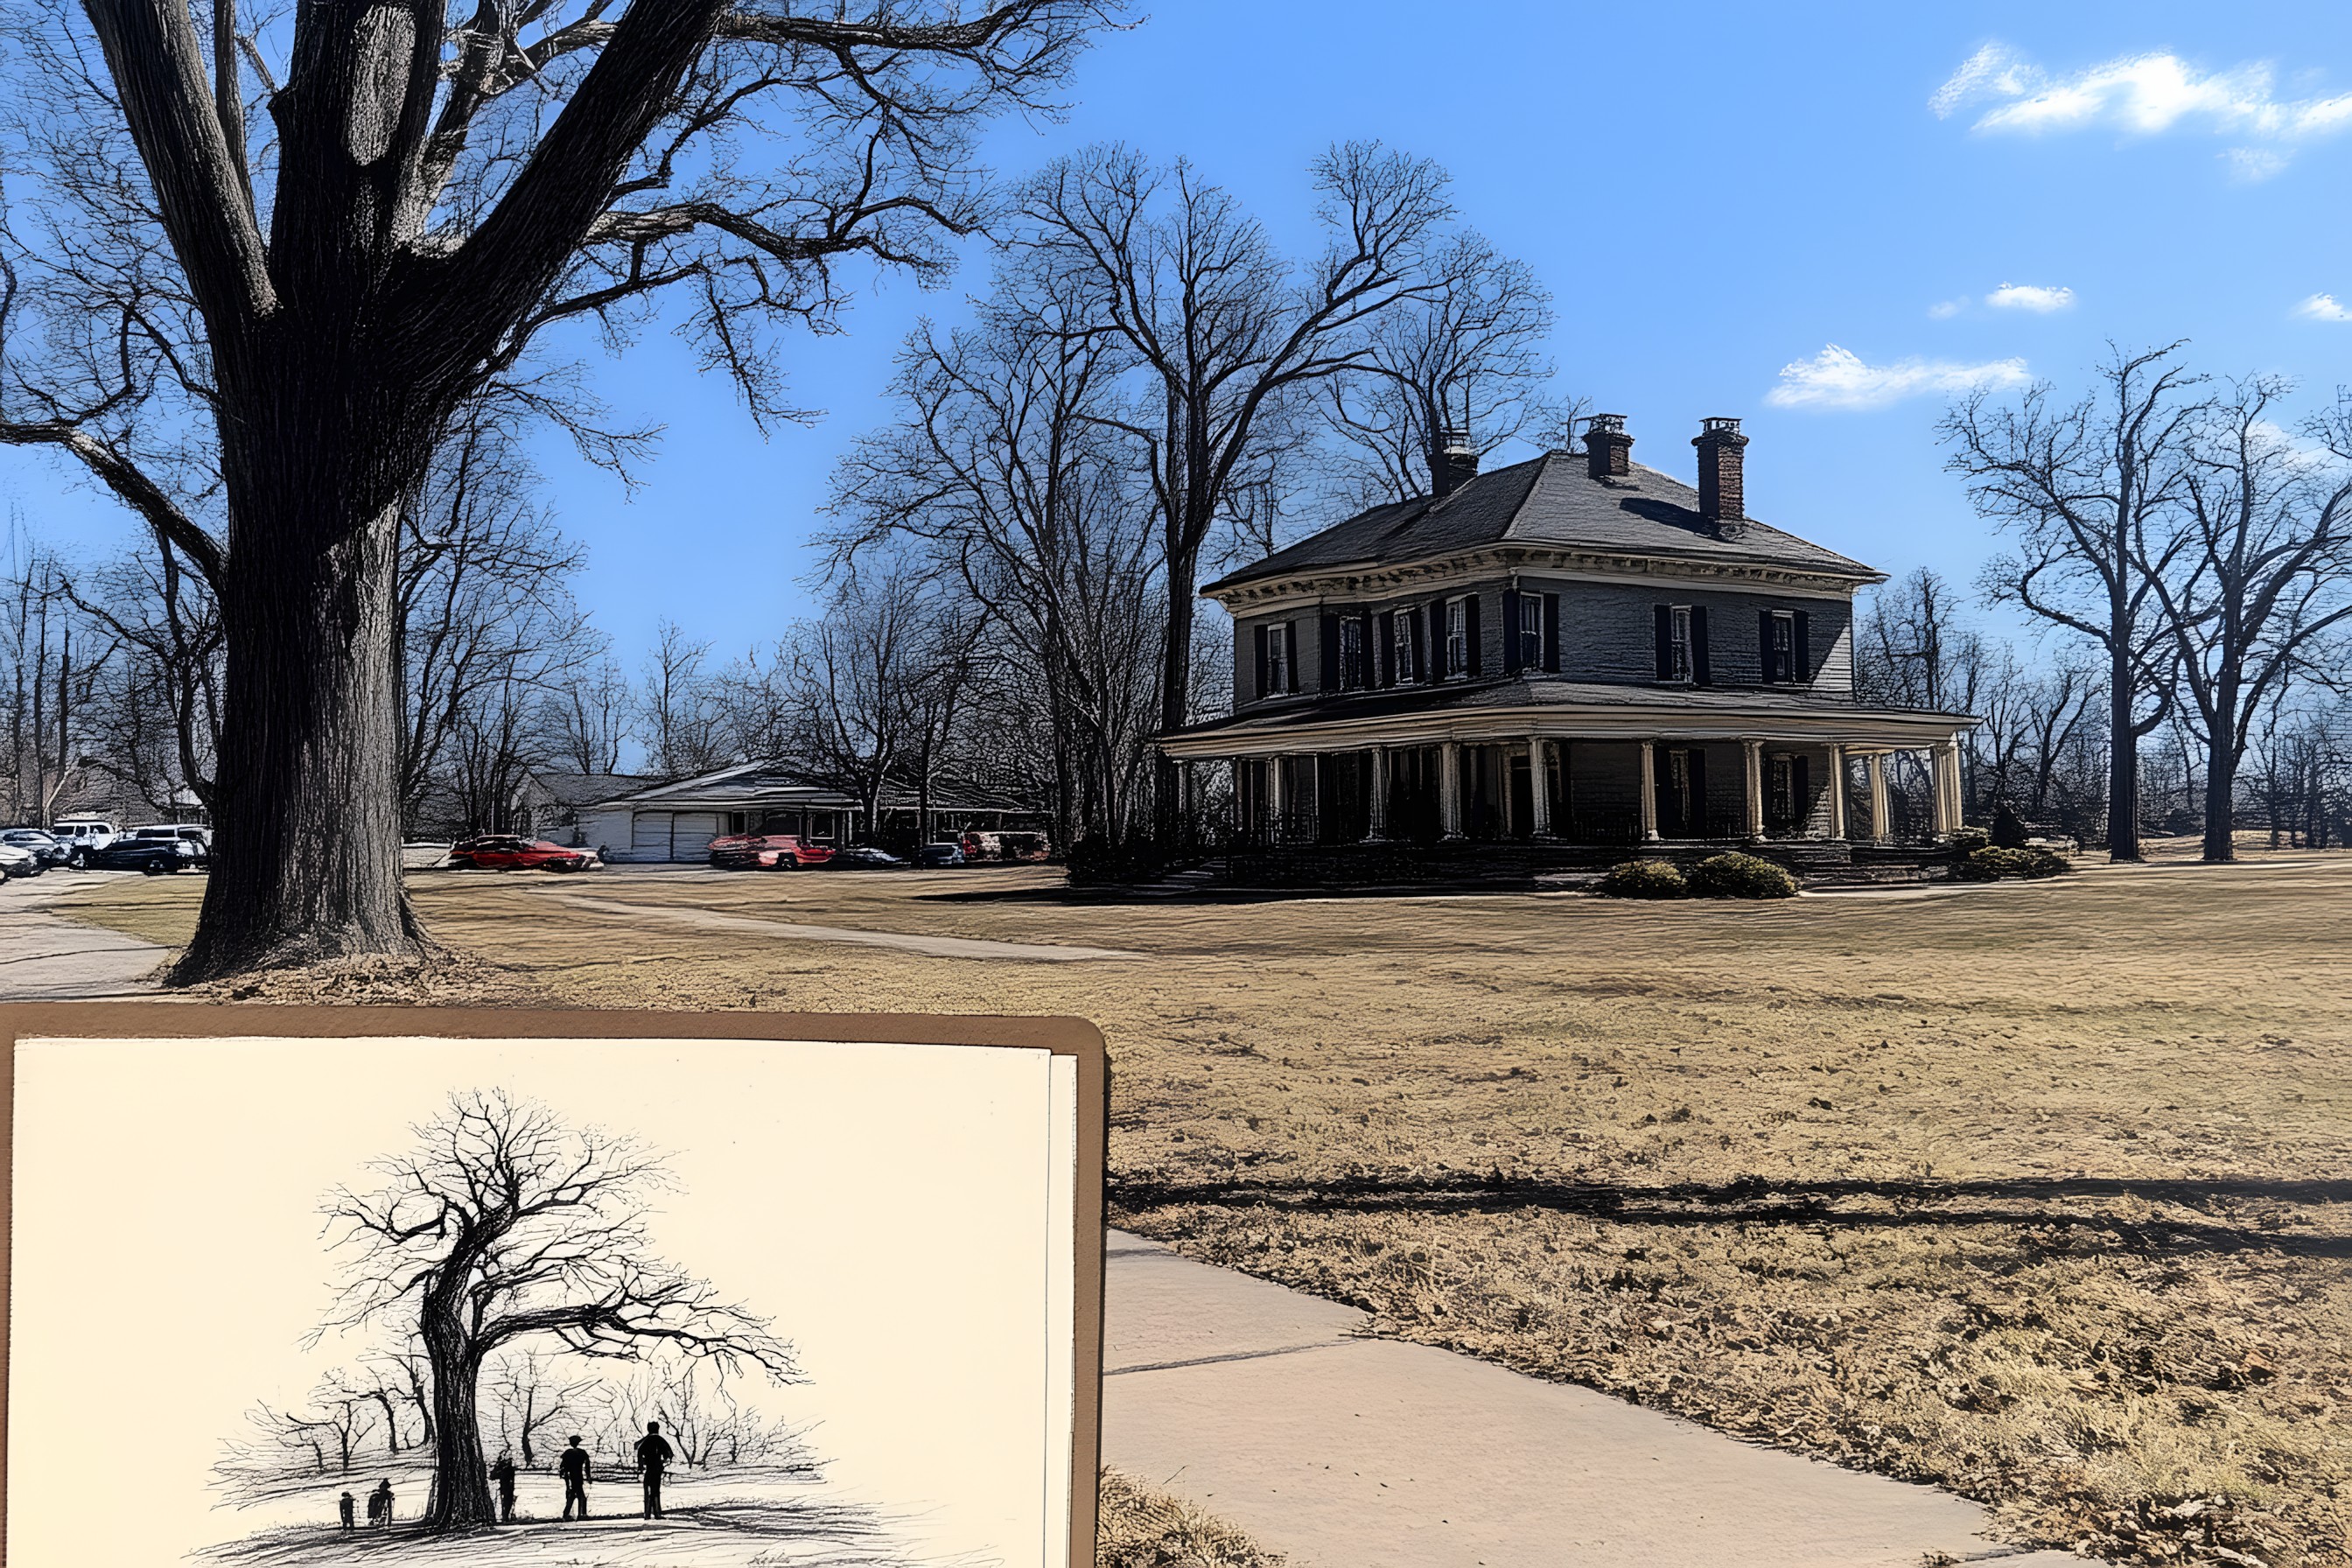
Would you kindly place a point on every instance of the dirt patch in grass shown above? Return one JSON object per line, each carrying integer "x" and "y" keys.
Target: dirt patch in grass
{"x": 2036, "y": 1190}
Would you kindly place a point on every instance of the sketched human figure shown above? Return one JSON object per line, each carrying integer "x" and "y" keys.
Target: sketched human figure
{"x": 380, "y": 1505}
{"x": 503, "y": 1473}
{"x": 573, "y": 1468}
{"x": 654, "y": 1455}
{"x": 344, "y": 1508}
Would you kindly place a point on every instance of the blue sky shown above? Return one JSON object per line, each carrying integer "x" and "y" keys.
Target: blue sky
{"x": 1714, "y": 193}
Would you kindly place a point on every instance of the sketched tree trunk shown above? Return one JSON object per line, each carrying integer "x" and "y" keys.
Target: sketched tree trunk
{"x": 447, "y": 183}
{"x": 503, "y": 1227}
{"x": 2086, "y": 489}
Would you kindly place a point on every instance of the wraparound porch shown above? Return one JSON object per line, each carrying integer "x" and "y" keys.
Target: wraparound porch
{"x": 1621, "y": 776}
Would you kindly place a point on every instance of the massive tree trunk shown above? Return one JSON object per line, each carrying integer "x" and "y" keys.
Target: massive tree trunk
{"x": 307, "y": 808}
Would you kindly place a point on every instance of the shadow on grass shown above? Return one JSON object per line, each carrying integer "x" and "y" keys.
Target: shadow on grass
{"x": 821, "y": 1535}
{"x": 2028, "y": 1202}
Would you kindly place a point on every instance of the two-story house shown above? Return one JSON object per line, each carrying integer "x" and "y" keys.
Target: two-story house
{"x": 1575, "y": 649}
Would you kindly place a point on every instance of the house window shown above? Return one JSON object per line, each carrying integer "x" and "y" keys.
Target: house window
{"x": 1678, "y": 645}
{"x": 1351, "y": 654}
{"x": 1457, "y": 638}
{"x": 1781, "y": 790}
{"x": 1402, "y": 645}
{"x": 1277, "y": 659}
{"x": 1530, "y": 631}
{"x": 1682, "y": 817}
{"x": 1781, "y": 649}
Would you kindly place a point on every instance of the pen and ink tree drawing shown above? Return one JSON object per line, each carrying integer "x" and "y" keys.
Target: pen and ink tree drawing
{"x": 503, "y": 1232}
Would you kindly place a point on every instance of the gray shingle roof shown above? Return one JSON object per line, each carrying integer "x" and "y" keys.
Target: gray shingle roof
{"x": 1549, "y": 501}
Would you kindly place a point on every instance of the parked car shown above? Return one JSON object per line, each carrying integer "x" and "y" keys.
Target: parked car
{"x": 863, "y": 858}
{"x": 44, "y": 846}
{"x": 16, "y": 862}
{"x": 507, "y": 852}
{"x": 199, "y": 838}
{"x": 945, "y": 854}
{"x": 994, "y": 846}
{"x": 155, "y": 856}
{"x": 80, "y": 833}
{"x": 767, "y": 852}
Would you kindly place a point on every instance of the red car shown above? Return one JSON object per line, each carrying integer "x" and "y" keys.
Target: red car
{"x": 505, "y": 852}
{"x": 766, "y": 852}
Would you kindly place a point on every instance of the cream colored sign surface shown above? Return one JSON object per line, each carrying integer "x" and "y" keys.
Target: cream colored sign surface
{"x": 901, "y": 1214}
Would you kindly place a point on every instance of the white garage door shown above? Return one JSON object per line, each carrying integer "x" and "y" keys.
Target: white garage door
{"x": 649, "y": 836}
{"x": 690, "y": 835}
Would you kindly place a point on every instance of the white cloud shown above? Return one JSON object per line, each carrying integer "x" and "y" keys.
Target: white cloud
{"x": 2323, "y": 308}
{"x": 2146, "y": 94}
{"x": 1838, "y": 378}
{"x": 1945, "y": 310}
{"x": 2030, "y": 297}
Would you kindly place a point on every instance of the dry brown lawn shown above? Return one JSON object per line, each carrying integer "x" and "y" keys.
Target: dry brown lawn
{"x": 2038, "y": 1190}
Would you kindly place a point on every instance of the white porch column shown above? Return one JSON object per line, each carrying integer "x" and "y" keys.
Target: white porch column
{"x": 1449, "y": 789}
{"x": 1837, "y": 792}
{"x": 1273, "y": 801}
{"x": 1945, "y": 779}
{"x": 1376, "y": 796}
{"x": 1649, "y": 792}
{"x": 1875, "y": 766}
{"x": 1753, "y": 756}
{"x": 1539, "y": 786}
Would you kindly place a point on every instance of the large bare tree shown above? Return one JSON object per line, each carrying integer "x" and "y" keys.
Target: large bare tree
{"x": 1008, "y": 474}
{"x": 2256, "y": 580}
{"x": 504, "y": 1230}
{"x": 2084, "y": 488}
{"x": 256, "y": 331}
{"x": 1223, "y": 329}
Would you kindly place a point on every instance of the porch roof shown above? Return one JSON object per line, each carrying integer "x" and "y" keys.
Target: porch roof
{"x": 1514, "y": 706}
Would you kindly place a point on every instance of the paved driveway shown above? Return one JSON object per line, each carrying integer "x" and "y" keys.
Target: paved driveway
{"x": 45, "y": 958}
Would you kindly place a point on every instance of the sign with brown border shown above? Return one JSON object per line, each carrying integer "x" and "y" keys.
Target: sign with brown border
{"x": 1059, "y": 1036}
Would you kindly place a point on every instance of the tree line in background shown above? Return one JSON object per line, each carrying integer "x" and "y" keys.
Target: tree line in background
{"x": 996, "y": 580}
{"x": 340, "y": 630}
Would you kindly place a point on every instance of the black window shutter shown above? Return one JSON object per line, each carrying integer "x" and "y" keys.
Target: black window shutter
{"x": 1696, "y": 811}
{"x": 1800, "y": 787}
{"x": 1330, "y": 650}
{"x": 1664, "y": 617}
{"x": 1420, "y": 646}
{"x": 1764, "y": 643}
{"x": 1290, "y": 655}
{"x": 1510, "y": 630}
{"x": 1800, "y": 648}
{"x": 1702, "y": 672}
{"x": 1470, "y": 630}
{"x": 1260, "y": 687}
{"x": 1367, "y": 652}
{"x": 1384, "y": 646}
{"x": 1552, "y": 633}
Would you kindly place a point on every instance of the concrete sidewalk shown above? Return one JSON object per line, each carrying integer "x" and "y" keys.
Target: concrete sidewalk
{"x": 1344, "y": 1452}
{"x": 45, "y": 959}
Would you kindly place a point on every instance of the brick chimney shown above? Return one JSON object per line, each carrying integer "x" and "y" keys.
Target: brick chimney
{"x": 1722, "y": 499}
{"x": 1608, "y": 450}
{"x": 1457, "y": 463}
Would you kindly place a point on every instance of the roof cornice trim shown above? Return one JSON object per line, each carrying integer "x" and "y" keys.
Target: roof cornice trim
{"x": 1372, "y": 580}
